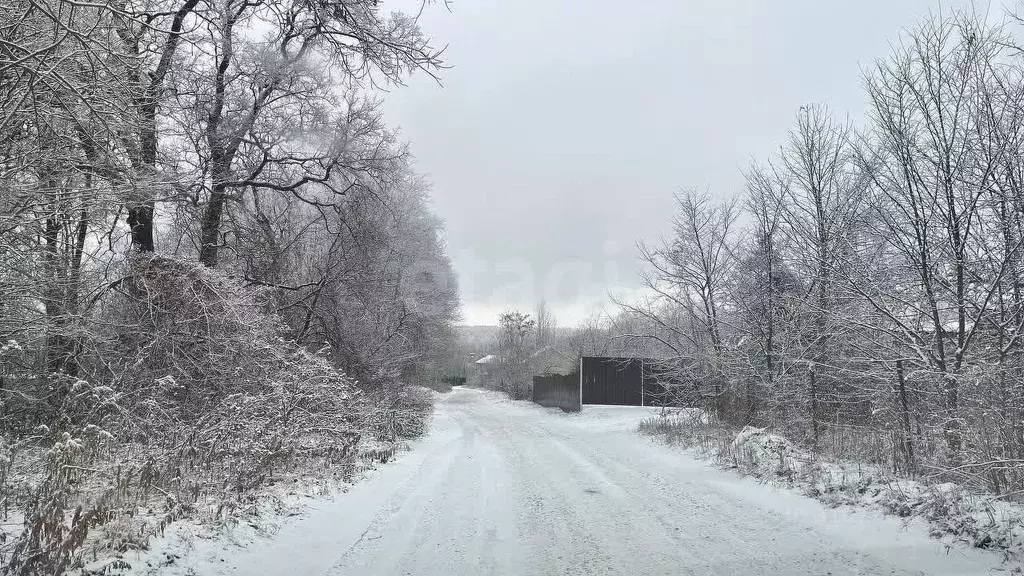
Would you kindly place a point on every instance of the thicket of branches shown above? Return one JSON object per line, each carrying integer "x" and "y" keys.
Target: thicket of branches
{"x": 865, "y": 294}
{"x": 215, "y": 259}
{"x": 517, "y": 344}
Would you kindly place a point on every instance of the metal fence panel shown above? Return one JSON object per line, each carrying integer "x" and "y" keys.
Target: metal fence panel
{"x": 603, "y": 380}
{"x": 621, "y": 381}
{"x": 615, "y": 381}
{"x": 558, "y": 391}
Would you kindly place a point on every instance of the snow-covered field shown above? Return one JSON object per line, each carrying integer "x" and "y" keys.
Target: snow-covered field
{"x": 501, "y": 487}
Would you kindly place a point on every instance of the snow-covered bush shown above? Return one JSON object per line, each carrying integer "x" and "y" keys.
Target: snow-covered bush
{"x": 192, "y": 399}
{"x": 399, "y": 412}
{"x": 687, "y": 427}
{"x": 952, "y": 511}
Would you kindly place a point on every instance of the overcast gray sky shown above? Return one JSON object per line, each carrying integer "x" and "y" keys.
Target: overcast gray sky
{"x": 564, "y": 127}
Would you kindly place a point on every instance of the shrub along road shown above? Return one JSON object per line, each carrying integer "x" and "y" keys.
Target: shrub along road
{"x": 500, "y": 487}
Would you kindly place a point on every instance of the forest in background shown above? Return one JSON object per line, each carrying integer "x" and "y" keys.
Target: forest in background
{"x": 217, "y": 264}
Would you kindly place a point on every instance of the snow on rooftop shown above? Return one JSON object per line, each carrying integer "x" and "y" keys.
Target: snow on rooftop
{"x": 489, "y": 359}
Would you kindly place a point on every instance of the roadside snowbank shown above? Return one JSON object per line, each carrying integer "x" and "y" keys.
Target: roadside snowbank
{"x": 160, "y": 536}
{"x": 953, "y": 514}
{"x": 195, "y": 545}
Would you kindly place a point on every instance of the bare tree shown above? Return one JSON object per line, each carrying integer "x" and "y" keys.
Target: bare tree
{"x": 688, "y": 274}
{"x": 822, "y": 191}
{"x": 278, "y": 78}
{"x": 546, "y": 325}
{"x": 925, "y": 167}
{"x": 761, "y": 284}
{"x": 515, "y": 350}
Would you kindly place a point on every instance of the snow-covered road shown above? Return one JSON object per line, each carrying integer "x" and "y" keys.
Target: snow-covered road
{"x": 508, "y": 488}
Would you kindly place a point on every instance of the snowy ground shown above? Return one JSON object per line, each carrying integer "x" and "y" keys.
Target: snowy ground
{"x": 509, "y": 488}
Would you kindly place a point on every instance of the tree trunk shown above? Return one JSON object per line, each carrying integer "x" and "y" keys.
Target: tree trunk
{"x": 140, "y": 220}
{"x": 54, "y": 303}
{"x": 210, "y": 229}
{"x": 951, "y": 429}
{"x": 903, "y": 406}
{"x": 812, "y": 382}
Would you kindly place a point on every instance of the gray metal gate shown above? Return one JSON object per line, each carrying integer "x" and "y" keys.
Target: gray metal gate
{"x": 558, "y": 391}
{"x": 619, "y": 381}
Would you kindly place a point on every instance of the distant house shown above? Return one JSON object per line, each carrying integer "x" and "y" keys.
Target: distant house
{"x": 482, "y": 369}
{"x": 488, "y": 360}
